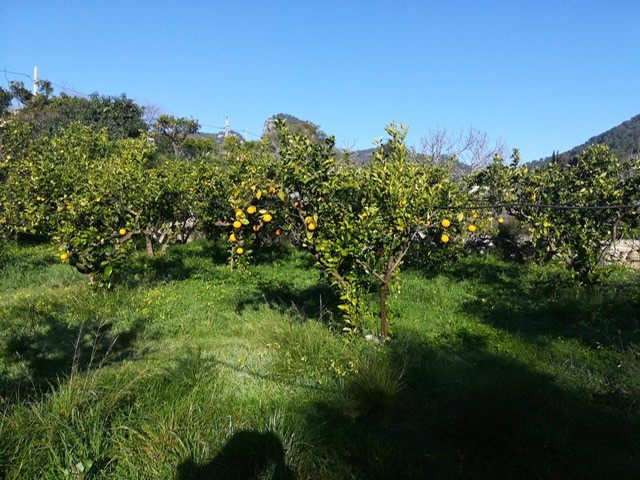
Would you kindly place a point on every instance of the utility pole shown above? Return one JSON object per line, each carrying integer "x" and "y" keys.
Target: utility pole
{"x": 35, "y": 81}
{"x": 226, "y": 127}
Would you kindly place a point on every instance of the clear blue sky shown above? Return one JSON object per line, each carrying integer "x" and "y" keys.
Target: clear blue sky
{"x": 542, "y": 75}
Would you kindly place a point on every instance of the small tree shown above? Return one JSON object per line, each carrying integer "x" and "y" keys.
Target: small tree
{"x": 5, "y": 101}
{"x": 472, "y": 147}
{"x": 359, "y": 223}
{"x": 571, "y": 209}
{"x": 176, "y": 131}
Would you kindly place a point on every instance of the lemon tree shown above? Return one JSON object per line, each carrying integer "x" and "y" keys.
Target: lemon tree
{"x": 31, "y": 183}
{"x": 77, "y": 188}
{"x": 360, "y": 222}
{"x": 165, "y": 210}
{"x": 595, "y": 183}
{"x": 99, "y": 215}
{"x": 239, "y": 199}
{"x": 572, "y": 210}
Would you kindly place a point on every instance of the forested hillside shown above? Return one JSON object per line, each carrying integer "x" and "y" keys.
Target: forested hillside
{"x": 624, "y": 141}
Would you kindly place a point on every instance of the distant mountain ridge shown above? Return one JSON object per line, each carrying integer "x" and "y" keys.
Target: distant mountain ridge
{"x": 220, "y": 136}
{"x": 624, "y": 141}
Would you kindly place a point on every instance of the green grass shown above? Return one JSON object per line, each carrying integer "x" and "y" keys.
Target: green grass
{"x": 188, "y": 370}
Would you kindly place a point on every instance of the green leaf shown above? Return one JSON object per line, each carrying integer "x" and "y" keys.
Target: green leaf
{"x": 107, "y": 272}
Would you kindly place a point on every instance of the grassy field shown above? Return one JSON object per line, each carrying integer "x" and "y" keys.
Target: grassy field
{"x": 187, "y": 370}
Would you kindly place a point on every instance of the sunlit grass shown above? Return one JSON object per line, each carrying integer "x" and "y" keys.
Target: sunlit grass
{"x": 187, "y": 369}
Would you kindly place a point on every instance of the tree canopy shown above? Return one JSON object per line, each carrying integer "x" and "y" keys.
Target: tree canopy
{"x": 50, "y": 115}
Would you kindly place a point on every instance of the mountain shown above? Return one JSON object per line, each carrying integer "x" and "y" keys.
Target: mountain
{"x": 361, "y": 156}
{"x": 313, "y": 131}
{"x": 219, "y": 137}
{"x": 296, "y": 125}
{"x": 624, "y": 141}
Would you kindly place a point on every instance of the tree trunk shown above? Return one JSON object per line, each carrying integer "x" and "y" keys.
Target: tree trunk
{"x": 384, "y": 293}
{"x": 149, "y": 241}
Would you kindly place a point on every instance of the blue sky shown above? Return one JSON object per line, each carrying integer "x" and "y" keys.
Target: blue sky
{"x": 541, "y": 75}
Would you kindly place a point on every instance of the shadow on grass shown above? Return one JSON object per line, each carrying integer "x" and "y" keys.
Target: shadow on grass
{"x": 277, "y": 252}
{"x": 27, "y": 255}
{"x": 463, "y": 412}
{"x": 180, "y": 262}
{"x": 316, "y": 302}
{"x": 539, "y": 302}
{"x": 247, "y": 455}
{"x": 40, "y": 347}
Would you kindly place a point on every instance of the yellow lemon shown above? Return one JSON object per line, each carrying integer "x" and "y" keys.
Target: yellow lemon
{"x": 122, "y": 231}
{"x": 239, "y": 214}
{"x": 237, "y": 224}
{"x": 267, "y": 218}
{"x": 64, "y": 256}
{"x": 446, "y": 223}
{"x": 500, "y": 220}
{"x": 239, "y": 250}
{"x": 472, "y": 228}
{"x": 311, "y": 226}
{"x": 251, "y": 210}
{"x": 444, "y": 238}
{"x": 233, "y": 238}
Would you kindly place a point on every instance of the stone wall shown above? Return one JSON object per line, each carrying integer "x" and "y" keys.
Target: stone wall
{"x": 626, "y": 252}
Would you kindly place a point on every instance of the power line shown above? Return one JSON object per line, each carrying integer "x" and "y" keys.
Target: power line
{"x": 76, "y": 92}
{"x": 211, "y": 126}
{"x": 5, "y": 71}
{"x": 545, "y": 206}
{"x": 254, "y": 134}
{"x": 71, "y": 90}
{"x": 82, "y": 94}
{"x": 219, "y": 127}
{"x": 16, "y": 73}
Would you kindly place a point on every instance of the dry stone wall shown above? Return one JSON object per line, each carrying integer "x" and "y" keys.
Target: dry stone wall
{"x": 626, "y": 252}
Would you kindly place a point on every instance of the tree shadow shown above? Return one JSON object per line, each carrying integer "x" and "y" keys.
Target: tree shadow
{"x": 316, "y": 302}
{"x": 247, "y": 455}
{"x": 539, "y": 303}
{"x": 180, "y": 262}
{"x": 279, "y": 252}
{"x": 27, "y": 258}
{"x": 40, "y": 348}
{"x": 463, "y": 412}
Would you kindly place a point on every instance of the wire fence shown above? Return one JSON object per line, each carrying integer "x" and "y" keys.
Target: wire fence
{"x": 496, "y": 206}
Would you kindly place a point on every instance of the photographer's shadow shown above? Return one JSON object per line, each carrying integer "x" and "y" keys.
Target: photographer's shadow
{"x": 247, "y": 455}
